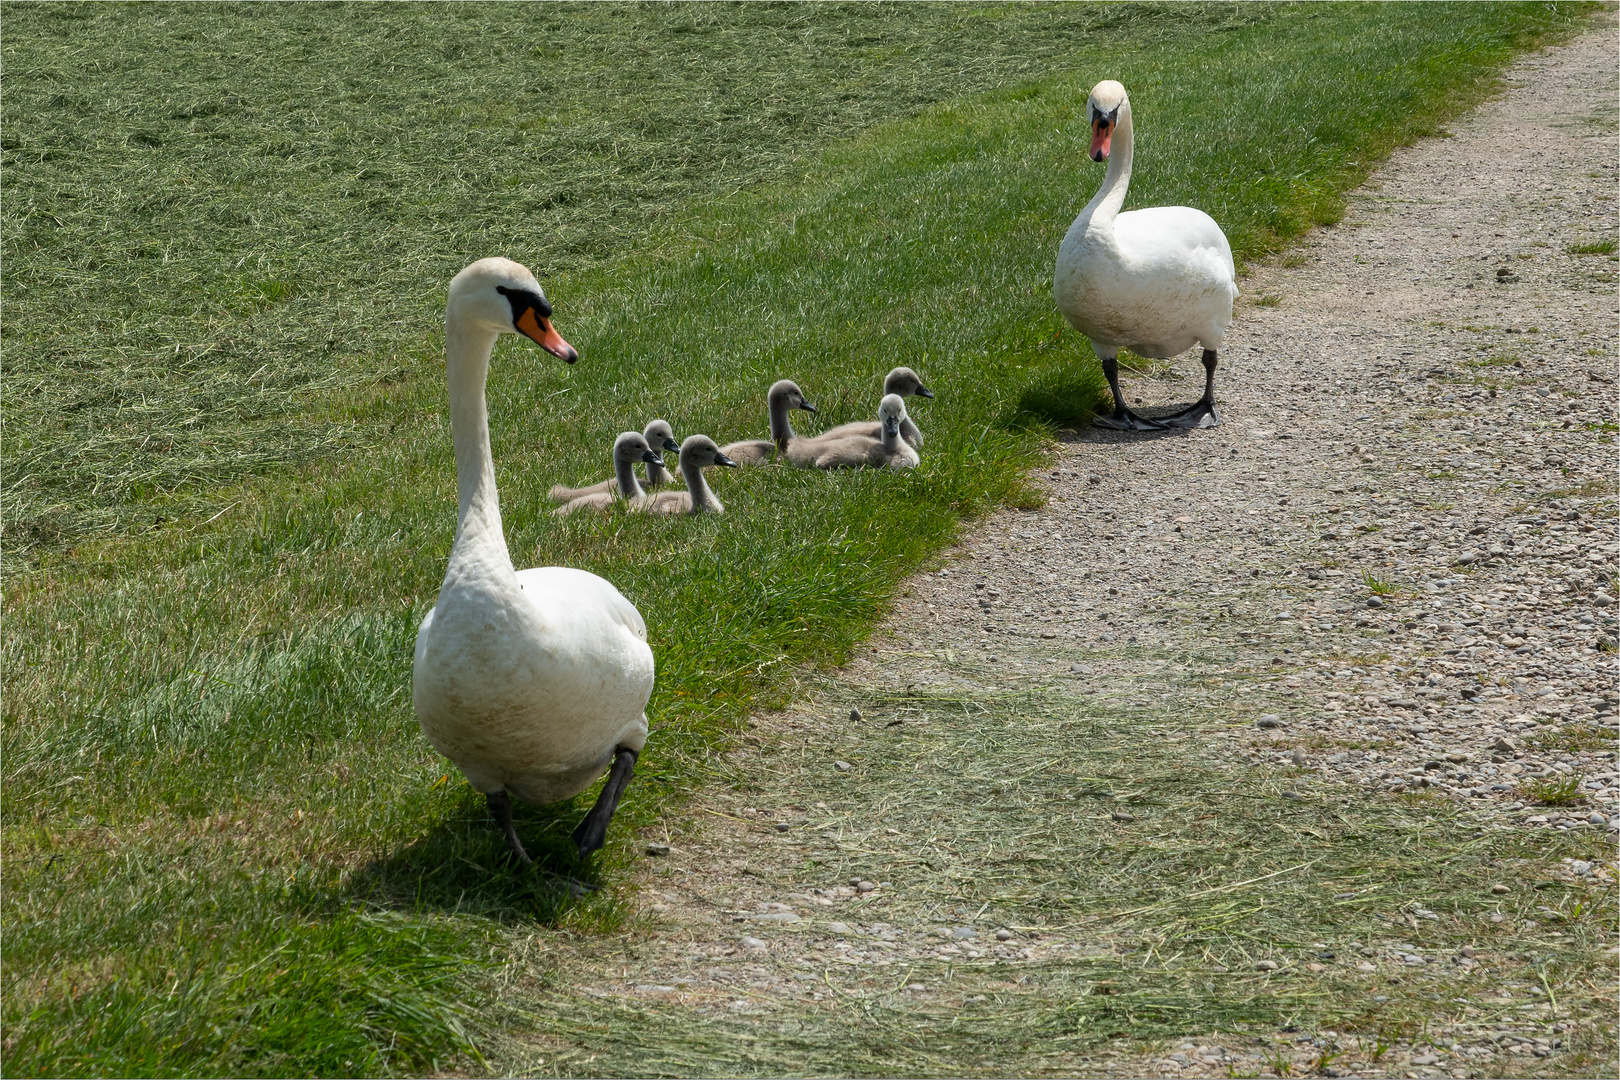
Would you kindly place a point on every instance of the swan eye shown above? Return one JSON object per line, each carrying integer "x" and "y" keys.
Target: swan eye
{"x": 522, "y": 300}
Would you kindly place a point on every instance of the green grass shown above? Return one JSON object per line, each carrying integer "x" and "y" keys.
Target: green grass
{"x": 229, "y": 490}
{"x": 1377, "y": 586}
{"x": 342, "y": 994}
{"x": 1559, "y": 791}
{"x": 1596, "y": 247}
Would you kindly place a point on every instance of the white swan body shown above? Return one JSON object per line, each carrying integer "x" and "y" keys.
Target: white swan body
{"x": 530, "y": 682}
{"x": 1155, "y": 281}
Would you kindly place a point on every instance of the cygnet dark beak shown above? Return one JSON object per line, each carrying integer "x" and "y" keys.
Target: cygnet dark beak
{"x": 652, "y": 457}
{"x": 671, "y": 444}
{"x": 923, "y": 391}
{"x": 806, "y": 406}
{"x": 725, "y": 462}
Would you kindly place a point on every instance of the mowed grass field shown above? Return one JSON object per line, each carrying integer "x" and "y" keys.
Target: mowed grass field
{"x": 228, "y": 486}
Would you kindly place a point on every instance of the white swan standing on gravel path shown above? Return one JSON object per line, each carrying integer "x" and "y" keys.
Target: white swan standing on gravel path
{"x": 1155, "y": 281}
{"x": 532, "y": 682}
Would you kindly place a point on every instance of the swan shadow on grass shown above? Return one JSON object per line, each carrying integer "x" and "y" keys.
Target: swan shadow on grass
{"x": 465, "y": 867}
{"x": 1071, "y": 402}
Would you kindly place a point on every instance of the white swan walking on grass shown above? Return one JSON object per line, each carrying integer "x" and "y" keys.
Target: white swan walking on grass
{"x": 1155, "y": 281}
{"x": 533, "y": 682}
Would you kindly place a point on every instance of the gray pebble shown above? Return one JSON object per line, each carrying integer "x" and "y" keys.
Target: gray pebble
{"x": 1270, "y": 720}
{"x": 752, "y": 943}
{"x": 841, "y": 766}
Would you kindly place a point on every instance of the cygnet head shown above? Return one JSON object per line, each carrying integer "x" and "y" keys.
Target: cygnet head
{"x": 660, "y": 436}
{"x": 700, "y": 450}
{"x": 502, "y": 296}
{"x": 631, "y": 446}
{"x": 786, "y": 390}
{"x": 906, "y": 383}
{"x": 1102, "y": 110}
{"x": 891, "y": 410}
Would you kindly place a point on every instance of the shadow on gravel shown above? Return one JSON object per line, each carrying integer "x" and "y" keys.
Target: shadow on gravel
{"x": 1076, "y": 401}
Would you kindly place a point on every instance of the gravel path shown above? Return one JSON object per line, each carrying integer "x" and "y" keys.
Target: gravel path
{"x": 1391, "y": 570}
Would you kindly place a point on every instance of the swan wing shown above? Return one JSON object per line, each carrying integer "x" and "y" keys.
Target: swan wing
{"x": 1168, "y": 238}
{"x": 568, "y": 597}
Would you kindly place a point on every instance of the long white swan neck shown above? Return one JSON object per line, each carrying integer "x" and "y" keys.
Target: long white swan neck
{"x": 702, "y": 497}
{"x": 781, "y": 427}
{"x": 1105, "y": 205}
{"x": 467, "y": 347}
{"x": 624, "y": 471}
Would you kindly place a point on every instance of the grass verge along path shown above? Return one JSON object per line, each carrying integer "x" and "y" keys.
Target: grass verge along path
{"x": 217, "y": 805}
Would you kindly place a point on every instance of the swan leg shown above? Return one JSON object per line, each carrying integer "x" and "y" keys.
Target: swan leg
{"x": 1200, "y": 414}
{"x": 1122, "y": 418}
{"x": 593, "y": 830}
{"x": 500, "y": 807}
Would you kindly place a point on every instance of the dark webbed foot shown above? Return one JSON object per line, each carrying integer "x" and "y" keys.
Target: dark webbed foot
{"x": 569, "y": 885}
{"x": 591, "y": 832}
{"x": 500, "y": 805}
{"x": 1123, "y": 419}
{"x": 1202, "y": 414}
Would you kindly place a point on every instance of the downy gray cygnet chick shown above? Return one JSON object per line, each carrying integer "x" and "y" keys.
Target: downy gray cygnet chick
{"x": 784, "y": 395}
{"x": 698, "y": 452}
{"x": 629, "y": 448}
{"x": 902, "y": 381}
{"x": 888, "y": 451}
{"x": 659, "y": 436}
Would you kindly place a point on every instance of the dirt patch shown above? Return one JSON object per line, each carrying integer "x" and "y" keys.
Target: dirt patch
{"x": 1281, "y": 748}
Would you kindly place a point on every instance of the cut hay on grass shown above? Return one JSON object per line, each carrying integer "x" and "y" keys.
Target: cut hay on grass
{"x": 997, "y": 811}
